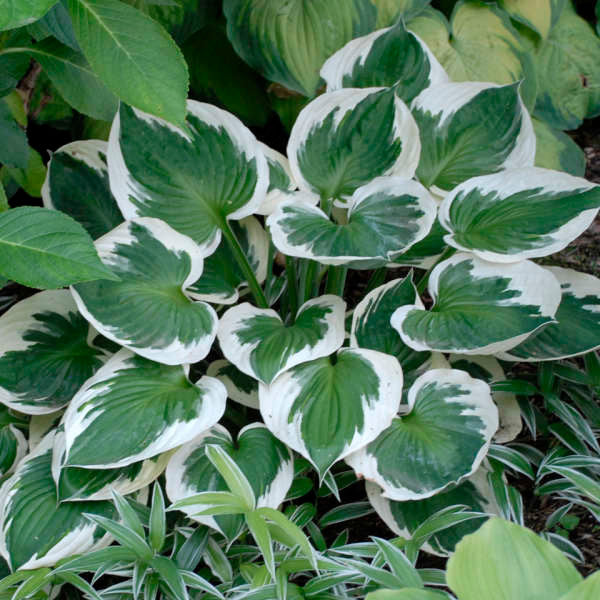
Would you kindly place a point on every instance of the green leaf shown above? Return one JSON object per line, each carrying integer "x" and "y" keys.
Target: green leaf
{"x": 30, "y": 178}
{"x": 440, "y": 440}
{"x": 124, "y": 535}
{"x": 157, "y": 523}
{"x": 146, "y": 70}
{"x": 405, "y": 594}
{"x": 169, "y": 573}
{"x": 327, "y": 409}
{"x": 287, "y": 41}
{"x": 14, "y": 150}
{"x": 57, "y": 22}
{"x": 260, "y": 532}
{"x": 504, "y": 560}
{"x": 45, "y": 356}
{"x": 4, "y": 206}
{"x": 258, "y": 343}
{"x": 384, "y": 58}
{"x": 389, "y": 11}
{"x": 518, "y": 214}
{"x": 588, "y": 589}
{"x": 168, "y": 409}
{"x": 82, "y": 166}
{"x": 192, "y": 179}
{"x": 424, "y": 254}
{"x": 16, "y": 13}
{"x": 12, "y": 65}
{"x": 241, "y": 388}
{"x": 148, "y": 310}
{"x": 480, "y": 307}
{"x": 399, "y": 564}
{"x": 556, "y": 150}
{"x": 47, "y": 249}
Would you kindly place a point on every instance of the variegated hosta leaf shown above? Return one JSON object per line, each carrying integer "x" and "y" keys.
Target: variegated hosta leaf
{"x": 539, "y": 15}
{"x": 371, "y": 326}
{"x": 259, "y": 344}
{"x": 386, "y": 217}
{"x": 343, "y": 139}
{"x": 148, "y": 311}
{"x": 75, "y": 483}
{"x": 519, "y": 213}
{"x": 77, "y": 184}
{"x": 263, "y": 459}
{"x": 222, "y": 278}
{"x": 38, "y": 531}
{"x": 13, "y": 447}
{"x": 469, "y": 129}
{"x": 45, "y": 356}
{"x": 387, "y": 57}
{"x": 480, "y": 307}
{"x": 403, "y": 518}
{"x": 424, "y": 254}
{"x": 556, "y": 150}
{"x": 390, "y": 11}
{"x": 134, "y": 409}
{"x": 488, "y": 369}
{"x": 40, "y": 425}
{"x": 241, "y": 388}
{"x": 330, "y": 407}
{"x": 192, "y": 179}
{"x": 578, "y": 328}
{"x": 441, "y": 440}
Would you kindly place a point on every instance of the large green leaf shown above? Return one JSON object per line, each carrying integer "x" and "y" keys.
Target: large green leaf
{"x": 386, "y": 217}
{"x": 388, "y": 57}
{"x": 133, "y": 55}
{"x": 539, "y": 15}
{"x": 441, "y": 438}
{"x": 578, "y": 327}
{"x": 325, "y": 409}
{"x": 503, "y": 560}
{"x": 14, "y": 149}
{"x": 518, "y": 214}
{"x": 259, "y": 344}
{"x": 82, "y": 166}
{"x": 12, "y": 65}
{"x": 193, "y": 179}
{"x": 45, "y": 356}
{"x": 148, "y": 310}
{"x": 287, "y": 41}
{"x": 160, "y": 406}
{"x": 190, "y": 472}
{"x": 16, "y": 13}
{"x": 343, "y": 139}
{"x": 480, "y": 307}
{"x": 389, "y": 11}
{"x": 44, "y": 248}
{"x": 241, "y": 388}
{"x": 556, "y": 150}
{"x": 469, "y": 129}
{"x": 56, "y": 22}
{"x": 36, "y": 531}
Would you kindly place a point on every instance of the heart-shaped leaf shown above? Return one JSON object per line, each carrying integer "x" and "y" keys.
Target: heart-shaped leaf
{"x": 45, "y": 356}
{"x": 190, "y": 472}
{"x": 82, "y": 166}
{"x": 148, "y": 311}
{"x": 38, "y": 531}
{"x": 442, "y": 438}
{"x": 168, "y": 410}
{"x": 385, "y": 58}
{"x": 193, "y": 179}
{"x": 325, "y": 409}
{"x": 259, "y": 344}
{"x": 520, "y": 213}
{"x": 241, "y": 388}
{"x": 480, "y": 307}
{"x": 386, "y": 217}
{"x": 343, "y": 139}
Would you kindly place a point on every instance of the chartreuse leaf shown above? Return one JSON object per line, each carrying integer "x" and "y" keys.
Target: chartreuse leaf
{"x": 190, "y": 472}
{"x": 241, "y": 388}
{"x": 287, "y": 41}
{"x": 343, "y": 139}
{"x": 386, "y": 58}
{"x": 404, "y": 518}
{"x": 389, "y": 11}
{"x": 578, "y": 328}
{"x": 36, "y": 530}
{"x": 569, "y": 81}
{"x": 168, "y": 409}
{"x": 556, "y": 150}
{"x": 45, "y": 356}
{"x": 386, "y": 217}
{"x": 149, "y": 311}
{"x": 480, "y": 307}
{"x": 281, "y": 182}
{"x": 539, "y": 15}
{"x": 145, "y": 70}
{"x": 522, "y": 213}
{"x": 504, "y": 560}
{"x": 193, "y": 179}
{"x": 469, "y": 129}
{"x": 222, "y": 278}
{"x": 329, "y": 407}
{"x": 371, "y": 322}
{"x": 46, "y": 249}
{"x": 16, "y": 13}
{"x": 259, "y": 344}
{"x": 82, "y": 166}
{"x": 588, "y": 589}
{"x": 13, "y": 447}
{"x": 442, "y": 438}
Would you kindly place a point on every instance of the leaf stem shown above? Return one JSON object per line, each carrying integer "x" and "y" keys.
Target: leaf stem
{"x": 422, "y": 284}
{"x": 311, "y": 272}
{"x": 292, "y": 285}
{"x": 336, "y": 280}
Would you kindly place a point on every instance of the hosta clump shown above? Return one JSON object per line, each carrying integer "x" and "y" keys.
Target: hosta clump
{"x": 192, "y": 226}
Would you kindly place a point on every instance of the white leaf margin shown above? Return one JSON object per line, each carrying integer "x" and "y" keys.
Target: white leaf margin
{"x": 233, "y": 391}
